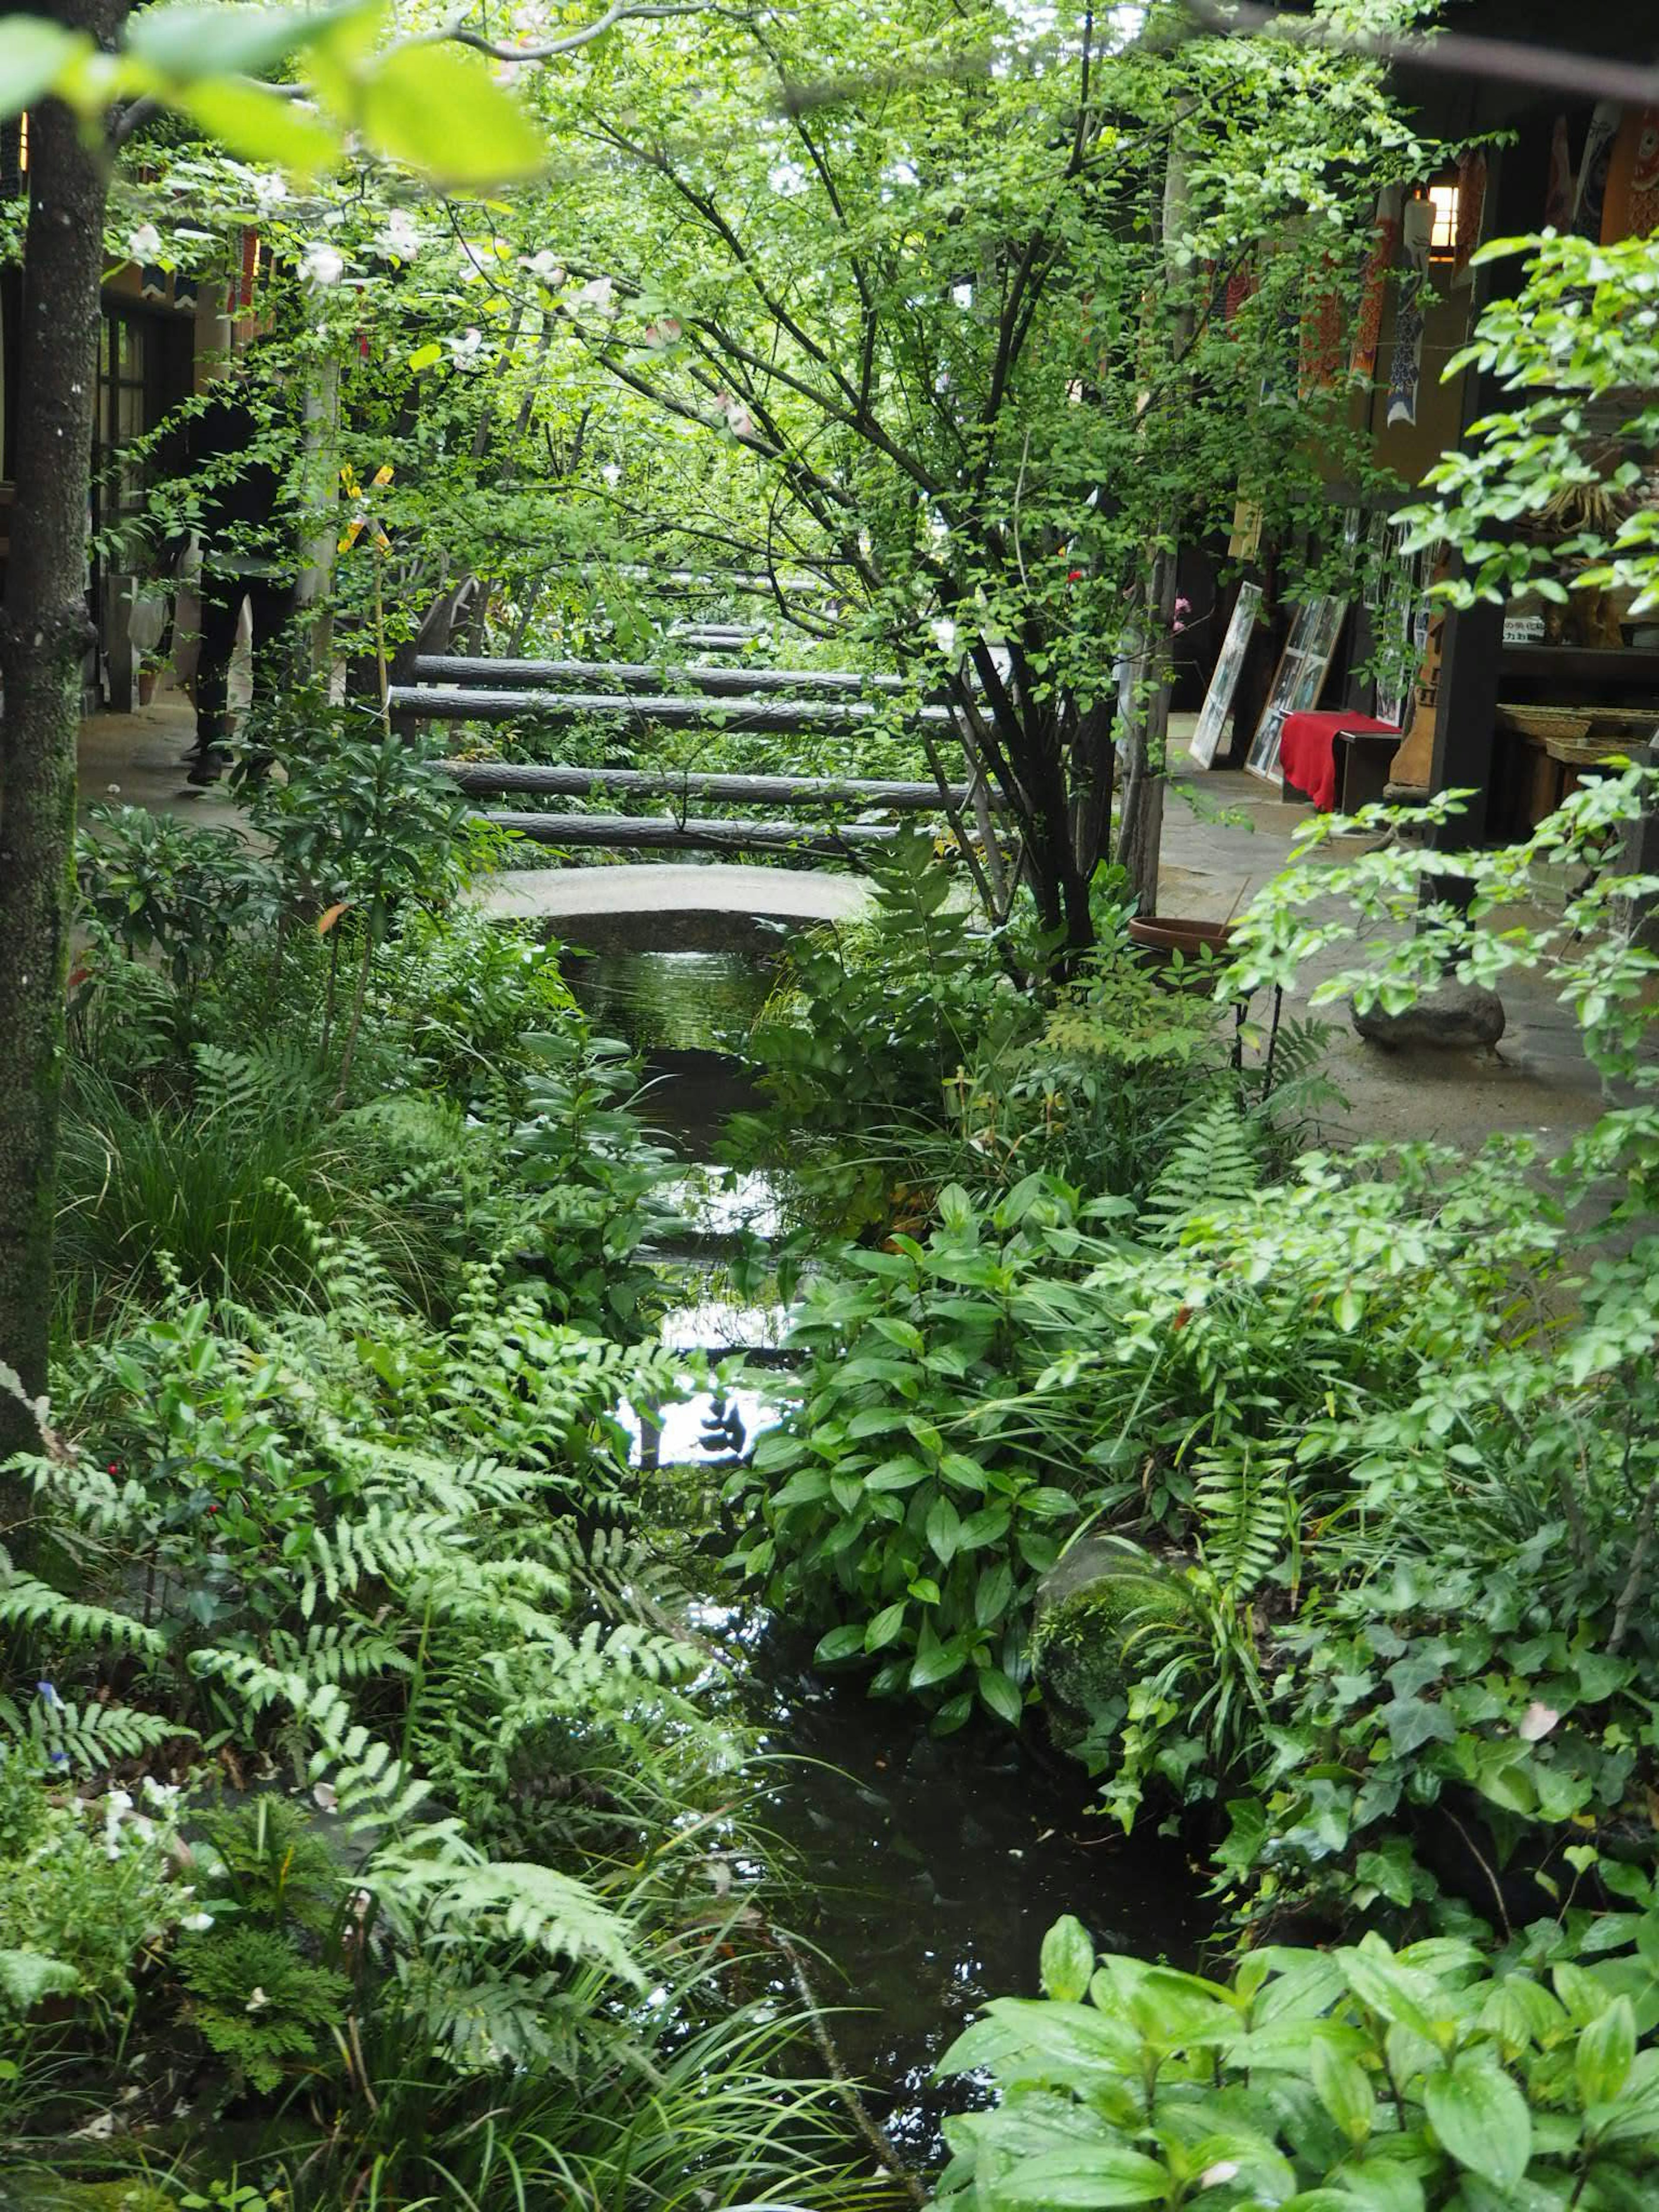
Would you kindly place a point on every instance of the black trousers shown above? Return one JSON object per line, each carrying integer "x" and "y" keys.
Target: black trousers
{"x": 271, "y": 603}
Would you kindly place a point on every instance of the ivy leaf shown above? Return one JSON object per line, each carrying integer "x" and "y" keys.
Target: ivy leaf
{"x": 1414, "y": 1722}
{"x": 1481, "y": 2118}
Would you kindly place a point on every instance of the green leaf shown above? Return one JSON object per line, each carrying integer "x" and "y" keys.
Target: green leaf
{"x": 840, "y": 1644}
{"x": 260, "y": 125}
{"x": 1402, "y": 1997}
{"x": 1001, "y": 1695}
{"x": 993, "y": 1595}
{"x": 944, "y": 1529}
{"x": 32, "y": 52}
{"x": 1481, "y": 2117}
{"x": 441, "y": 111}
{"x": 26, "y": 1977}
{"x": 1067, "y": 1961}
{"x": 1080, "y": 2180}
{"x": 1344, "y": 2089}
{"x": 885, "y": 1628}
{"x": 187, "y": 42}
{"x": 1606, "y": 2049}
{"x": 424, "y": 356}
{"x": 936, "y": 1666}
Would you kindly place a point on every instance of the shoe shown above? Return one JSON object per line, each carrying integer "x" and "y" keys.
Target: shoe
{"x": 207, "y": 766}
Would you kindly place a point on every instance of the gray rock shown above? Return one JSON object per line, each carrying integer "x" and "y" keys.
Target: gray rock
{"x": 1454, "y": 1016}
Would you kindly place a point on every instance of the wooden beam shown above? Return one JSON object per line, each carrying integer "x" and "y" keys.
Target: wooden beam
{"x": 559, "y": 709}
{"x": 660, "y": 833}
{"x": 647, "y": 676}
{"x": 479, "y": 777}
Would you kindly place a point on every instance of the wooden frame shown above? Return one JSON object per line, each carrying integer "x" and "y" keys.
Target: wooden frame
{"x": 1298, "y": 679}
{"x": 1218, "y": 699}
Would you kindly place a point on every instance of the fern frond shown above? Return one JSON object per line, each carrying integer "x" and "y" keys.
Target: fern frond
{"x": 1243, "y": 1501}
{"x": 1212, "y": 1166}
{"x": 26, "y": 1603}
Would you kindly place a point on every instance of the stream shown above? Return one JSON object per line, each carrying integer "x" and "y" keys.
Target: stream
{"x": 927, "y": 1870}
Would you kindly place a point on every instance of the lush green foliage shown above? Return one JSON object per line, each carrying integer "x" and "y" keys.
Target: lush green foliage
{"x": 1355, "y": 2080}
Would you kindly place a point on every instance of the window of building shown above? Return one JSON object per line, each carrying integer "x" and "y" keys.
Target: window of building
{"x": 1443, "y": 240}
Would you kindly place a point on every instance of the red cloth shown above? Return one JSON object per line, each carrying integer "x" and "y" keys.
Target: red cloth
{"x": 1307, "y": 751}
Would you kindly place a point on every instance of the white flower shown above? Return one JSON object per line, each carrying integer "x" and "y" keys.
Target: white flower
{"x": 611, "y": 473}
{"x": 161, "y": 1794}
{"x": 1224, "y": 2169}
{"x": 596, "y": 292}
{"x": 198, "y": 1923}
{"x": 145, "y": 242}
{"x": 1537, "y": 1721}
{"x": 113, "y": 789}
{"x": 257, "y": 2002}
{"x": 468, "y": 346}
{"x": 401, "y": 236}
{"x": 325, "y": 1795}
{"x": 546, "y": 265}
{"x": 321, "y": 266}
{"x": 269, "y": 189}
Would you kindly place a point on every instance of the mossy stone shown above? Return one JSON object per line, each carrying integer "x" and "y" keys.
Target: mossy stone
{"x": 1088, "y": 1611}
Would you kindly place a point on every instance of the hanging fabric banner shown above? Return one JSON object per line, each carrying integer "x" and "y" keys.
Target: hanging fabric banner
{"x": 1418, "y": 227}
{"x": 1241, "y": 285}
{"x": 1588, "y": 199}
{"x": 1322, "y": 333}
{"x": 1374, "y": 285}
{"x": 1557, "y": 196}
{"x": 1630, "y": 208}
{"x": 1470, "y": 211}
{"x": 249, "y": 270}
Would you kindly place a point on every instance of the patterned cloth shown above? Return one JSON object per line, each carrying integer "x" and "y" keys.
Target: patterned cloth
{"x": 1630, "y": 208}
{"x": 1407, "y": 373}
{"x": 1374, "y": 285}
{"x": 1589, "y": 201}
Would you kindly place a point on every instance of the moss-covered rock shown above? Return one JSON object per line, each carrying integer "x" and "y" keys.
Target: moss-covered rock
{"x": 1089, "y": 1609}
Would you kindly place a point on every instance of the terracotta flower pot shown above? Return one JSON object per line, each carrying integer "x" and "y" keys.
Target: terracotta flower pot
{"x": 1162, "y": 939}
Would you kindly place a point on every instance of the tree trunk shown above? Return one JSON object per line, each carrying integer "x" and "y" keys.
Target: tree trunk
{"x": 1140, "y": 833}
{"x": 43, "y": 638}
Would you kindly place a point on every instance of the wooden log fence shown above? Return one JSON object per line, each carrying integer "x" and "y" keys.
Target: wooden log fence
{"x": 666, "y": 711}
{"x": 662, "y": 833}
{"x": 480, "y": 777}
{"x": 646, "y": 675}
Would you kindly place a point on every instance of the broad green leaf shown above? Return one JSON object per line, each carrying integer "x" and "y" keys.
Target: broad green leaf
{"x": 424, "y": 356}
{"x": 440, "y": 110}
{"x": 840, "y": 1644}
{"x": 993, "y": 1595}
{"x": 944, "y": 1529}
{"x": 885, "y": 1628}
{"x": 936, "y": 1666}
{"x": 187, "y": 40}
{"x": 260, "y": 126}
{"x": 1401, "y": 1993}
{"x": 1634, "y": 2115}
{"x": 1606, "y": 2049}
{"x": 1344, "y": 2089}
{"x": 1089, "y": 2179}
{"x": 1067, "y": 1961}
{"x": 1002, "y": 1695}
{"x": 1481, "y": 2117}
{"x": 32, "y": 54}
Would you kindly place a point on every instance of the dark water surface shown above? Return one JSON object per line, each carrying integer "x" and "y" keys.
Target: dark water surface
{"x": 926, "y": 1871}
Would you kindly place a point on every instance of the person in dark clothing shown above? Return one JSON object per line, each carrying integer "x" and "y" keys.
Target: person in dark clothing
{"x": 246, "y": 556}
